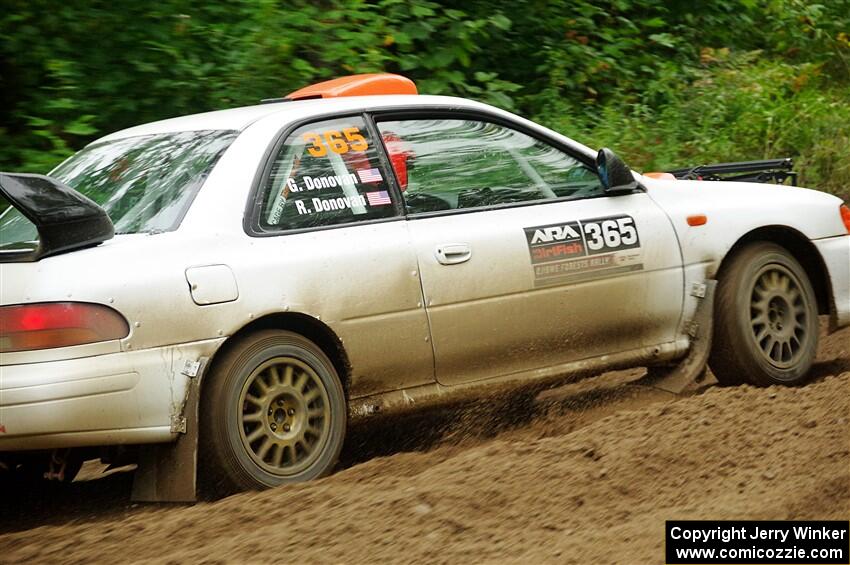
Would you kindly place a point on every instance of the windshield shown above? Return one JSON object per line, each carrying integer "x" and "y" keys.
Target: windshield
{"x": 145, "y": 183}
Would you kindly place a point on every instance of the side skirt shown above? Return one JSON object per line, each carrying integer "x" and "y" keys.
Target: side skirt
{"x": 435, "y": 394}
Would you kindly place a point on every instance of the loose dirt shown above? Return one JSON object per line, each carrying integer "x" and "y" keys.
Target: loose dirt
{"x": 584, "y": 473}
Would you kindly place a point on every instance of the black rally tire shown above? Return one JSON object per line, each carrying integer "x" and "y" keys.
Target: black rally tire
{"x": 764, "y": 294}
{"x": 228, "y": 460}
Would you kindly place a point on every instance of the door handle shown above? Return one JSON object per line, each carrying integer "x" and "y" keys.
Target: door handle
{"x": 453, "y": 253}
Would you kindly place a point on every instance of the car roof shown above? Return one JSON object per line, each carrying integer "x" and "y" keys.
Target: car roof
{"x": 240, "y": 118}
{"x": 284, "y": 112}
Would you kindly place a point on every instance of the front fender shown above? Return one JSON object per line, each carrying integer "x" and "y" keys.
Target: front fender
{"x": 734, "y": 210}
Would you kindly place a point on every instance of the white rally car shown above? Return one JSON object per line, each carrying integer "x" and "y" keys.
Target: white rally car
{"x": 238, "y": 286}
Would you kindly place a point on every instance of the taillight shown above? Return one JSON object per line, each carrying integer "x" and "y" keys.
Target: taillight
{"x": 845, "y": 216}
{"x": 25, "y": 327}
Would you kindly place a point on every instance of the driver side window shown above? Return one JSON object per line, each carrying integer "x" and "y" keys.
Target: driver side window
{"x": 449, "y": 164}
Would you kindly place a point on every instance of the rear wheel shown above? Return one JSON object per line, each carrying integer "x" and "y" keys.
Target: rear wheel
{"x": 766, "y": 328}
{"x": 273, "y": 412}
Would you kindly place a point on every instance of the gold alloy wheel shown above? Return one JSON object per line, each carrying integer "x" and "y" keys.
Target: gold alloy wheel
{"x": 779, "y": 314}
{"x": 284, "y": 416}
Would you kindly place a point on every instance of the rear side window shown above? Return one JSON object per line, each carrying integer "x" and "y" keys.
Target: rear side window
{"x": 325, "y": 173}
{"x": 448, "y": 164}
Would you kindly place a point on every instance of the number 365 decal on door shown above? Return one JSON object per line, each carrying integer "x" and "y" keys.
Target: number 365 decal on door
{"x": 584, "y": 249}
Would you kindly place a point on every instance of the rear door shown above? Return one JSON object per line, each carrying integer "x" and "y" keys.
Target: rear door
{"x": 332, "y": 244}
{"x": 525, "y": 263}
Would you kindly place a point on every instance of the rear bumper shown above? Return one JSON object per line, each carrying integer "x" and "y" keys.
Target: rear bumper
{"x": 117, "y": 398}
{"x": 835, "y": 252}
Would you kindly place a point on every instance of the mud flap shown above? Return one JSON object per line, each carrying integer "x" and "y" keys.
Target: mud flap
{"x": 690, "y": 374}
{"x": 168, "y": 472}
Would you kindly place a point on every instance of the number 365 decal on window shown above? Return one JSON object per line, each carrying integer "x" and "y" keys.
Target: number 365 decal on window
{"x": 583, "y": 249}
{"x": 349, "y": 139}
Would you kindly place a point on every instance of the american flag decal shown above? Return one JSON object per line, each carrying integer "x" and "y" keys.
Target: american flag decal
{"x": 369, "y": 175}
{"x": 378, "y": 198}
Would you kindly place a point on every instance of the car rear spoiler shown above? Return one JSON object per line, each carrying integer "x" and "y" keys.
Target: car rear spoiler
{"x": 770, "y": 170}
{"x": 65, "y": 219}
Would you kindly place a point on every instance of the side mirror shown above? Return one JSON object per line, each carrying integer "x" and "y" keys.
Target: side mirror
{"x": 614, "y": 174}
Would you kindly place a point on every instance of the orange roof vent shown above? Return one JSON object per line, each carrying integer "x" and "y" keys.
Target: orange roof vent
{"x": 356, "y": 85}
{"x": 660, "y": 176}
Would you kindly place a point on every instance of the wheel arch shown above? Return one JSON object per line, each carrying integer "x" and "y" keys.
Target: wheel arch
{"x": 305, "y": 325}
{"x": 801, "y": 248}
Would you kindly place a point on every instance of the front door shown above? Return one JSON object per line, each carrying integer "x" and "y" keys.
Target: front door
{"x": 525, "y": 263}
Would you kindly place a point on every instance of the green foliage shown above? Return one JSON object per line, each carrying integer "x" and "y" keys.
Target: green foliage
{"x": 744, "y": 109}
{"x": 664, "y": 82}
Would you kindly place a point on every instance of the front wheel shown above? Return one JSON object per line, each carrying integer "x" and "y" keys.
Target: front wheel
{"x": 273, "y": 412}
{"x": 766, "y": 328}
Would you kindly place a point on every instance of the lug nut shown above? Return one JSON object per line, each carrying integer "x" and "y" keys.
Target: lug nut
{"x": 270, "y": 411}
{"x": 286, "y": 427}
{"x": 291, "y": 411}
{"x": 274, "y": 426}
{"x": 279, "y": 402}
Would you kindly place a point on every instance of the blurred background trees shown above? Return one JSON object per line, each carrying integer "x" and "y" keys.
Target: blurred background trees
{"x": 665, "y": 83}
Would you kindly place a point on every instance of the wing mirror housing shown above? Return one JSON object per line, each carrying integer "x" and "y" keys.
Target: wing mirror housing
{"x": 616, "y": 177}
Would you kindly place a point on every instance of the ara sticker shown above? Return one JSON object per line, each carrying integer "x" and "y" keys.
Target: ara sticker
{"x": 582, "y": 249}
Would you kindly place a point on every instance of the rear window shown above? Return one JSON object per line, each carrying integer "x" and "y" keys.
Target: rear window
{"x": 145, "y": 183}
